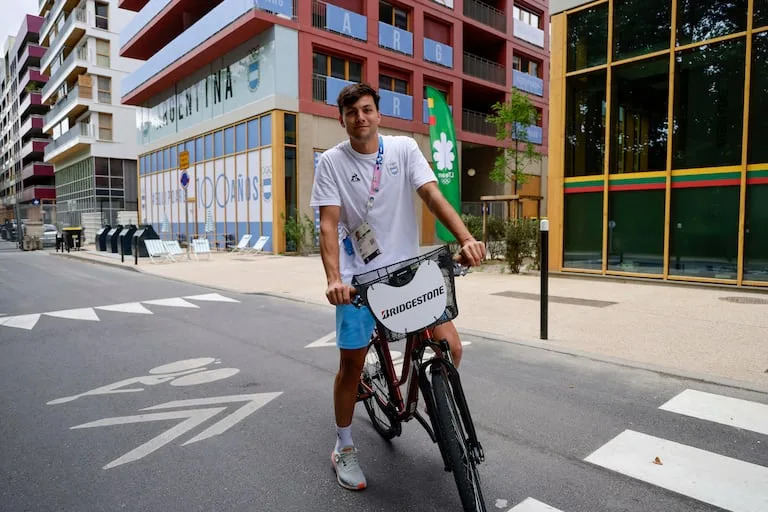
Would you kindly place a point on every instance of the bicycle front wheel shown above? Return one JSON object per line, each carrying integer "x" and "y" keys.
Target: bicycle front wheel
{"x": 453, "y": 440}
{"x": 378, "y": 405}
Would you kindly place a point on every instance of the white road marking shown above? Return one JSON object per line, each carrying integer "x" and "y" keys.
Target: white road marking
{"x": 75, "y": 314}
{"x": 183, "y": 365}
{"x": 128, "y": 307}
{"x": 205, "y": 377}
{"x": 211, "y": 297}
{"x": 722, "y": 481}
{"x": 27, "y": 322}
{"x": 176, "y": 302}
{"x": 329, "y": 340}
{"x": 532, "y": 505}
{"x": 720, "y": 409}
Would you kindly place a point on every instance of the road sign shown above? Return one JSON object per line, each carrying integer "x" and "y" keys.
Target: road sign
{"x": 184, "y": 179}
{"x": 184, "y": 160}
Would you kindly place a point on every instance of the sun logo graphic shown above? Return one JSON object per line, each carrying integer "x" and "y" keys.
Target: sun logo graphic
{"x": 444, "y": 157}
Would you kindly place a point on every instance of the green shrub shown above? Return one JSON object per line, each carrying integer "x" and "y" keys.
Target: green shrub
{"x": 522, "y": 239}
{"x": 299, "y": 233}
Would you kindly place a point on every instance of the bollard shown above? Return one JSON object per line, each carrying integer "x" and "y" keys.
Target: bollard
{"x": 544, "y": 272}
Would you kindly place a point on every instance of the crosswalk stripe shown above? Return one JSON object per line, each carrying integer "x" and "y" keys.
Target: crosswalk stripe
{"x": 211, "y": 297}
{"x": 76, "y": 314}
{"x": 129, "y": 307}
{"x": 720, "y": 409}
{"x": 177, "y": 302}
{"x": 532, "y": 505}
{"x": 27, "y": 322}
{"x": 722, "y": 481}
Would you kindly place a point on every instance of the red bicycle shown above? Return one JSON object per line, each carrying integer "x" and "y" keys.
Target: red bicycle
{"x": 408, "y": 299}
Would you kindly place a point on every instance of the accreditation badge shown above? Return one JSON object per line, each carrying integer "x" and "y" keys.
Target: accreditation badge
{"x": 366, "y": 244}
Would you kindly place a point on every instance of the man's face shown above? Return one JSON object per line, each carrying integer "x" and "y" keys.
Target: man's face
{"x": 362, "y": 119}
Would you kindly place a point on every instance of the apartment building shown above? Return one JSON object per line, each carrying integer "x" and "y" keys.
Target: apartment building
{"x": 24, "y": 177}
{"x": 94, "y": 147}
{"x": 248, "y": 88}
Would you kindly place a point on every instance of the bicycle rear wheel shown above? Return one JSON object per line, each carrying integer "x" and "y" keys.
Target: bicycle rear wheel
{"x": 378, "y": 405}
{"x": 451, "y": 435}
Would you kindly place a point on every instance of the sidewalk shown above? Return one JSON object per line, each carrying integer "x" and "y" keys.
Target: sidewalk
{"x": 684, "y": 330}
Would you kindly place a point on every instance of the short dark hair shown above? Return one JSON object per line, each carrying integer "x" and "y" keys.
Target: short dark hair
{"x": 350, "y": 94}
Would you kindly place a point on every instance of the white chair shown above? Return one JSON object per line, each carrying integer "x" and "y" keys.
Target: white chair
{"x": 242, "y": 245}
{"x": 201, "y": 246}
{"x": 259, "y": 245}
{"x": 173, "y": 248}
{"x": 157, "y": 251}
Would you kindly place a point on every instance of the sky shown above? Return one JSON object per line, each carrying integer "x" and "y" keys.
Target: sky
{"x": 13, "y": 12}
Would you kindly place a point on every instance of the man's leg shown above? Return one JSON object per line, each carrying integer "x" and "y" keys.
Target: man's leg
{"x": 447, "y": 331}
{"x": 345, "y": 384}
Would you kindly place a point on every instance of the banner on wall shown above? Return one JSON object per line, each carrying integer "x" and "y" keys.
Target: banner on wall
{"x": 445, "y": 162}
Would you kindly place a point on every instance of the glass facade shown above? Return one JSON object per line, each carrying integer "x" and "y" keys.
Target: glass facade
{"x": 687, "y": 184}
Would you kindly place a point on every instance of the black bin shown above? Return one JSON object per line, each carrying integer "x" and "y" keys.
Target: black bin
{"x": 101, "y": 238}
{"x": 112, "y": 238}
{"x": 143, "y": 232}
{"x": 125, "y": 238}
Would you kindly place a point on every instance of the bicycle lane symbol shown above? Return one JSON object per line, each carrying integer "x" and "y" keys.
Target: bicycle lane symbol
{"x": 188, "y": 372}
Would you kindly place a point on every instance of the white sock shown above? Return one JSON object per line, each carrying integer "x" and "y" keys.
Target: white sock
{"x": 343, "y": 437}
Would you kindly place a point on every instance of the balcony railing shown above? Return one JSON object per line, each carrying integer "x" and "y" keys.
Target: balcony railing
{"x": 36, "y": 169}
{"x": 477, "y": 122}
{"x": 485, "y": 14}
{"x": 80, "y": 53}
{"x": 76, "y": 16}
{"x": 483, "y": 68}
{"x": 395, "y": 38}
{"x": 81, "y": 130}
{"x": 140, "y": 20}
{"x": 39, "y": 192}
{"x": 34, "y": 98}
{"x": 438, "y": 53}
{"x": 529, "y": 33}
{"x": 51, "y": 18}
{"x": 395, "y": 104}
{"x": 335, "y": 19}
{"x": 527, "y": 83}
{"x": 327, "y": 88}
{"x": 65, "y": 105}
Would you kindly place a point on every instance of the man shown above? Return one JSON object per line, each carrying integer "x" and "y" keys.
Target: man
{"x": 364, "y": 189}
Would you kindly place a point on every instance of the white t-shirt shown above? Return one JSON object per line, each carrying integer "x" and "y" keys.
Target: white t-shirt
{"x": 343, "y": 178}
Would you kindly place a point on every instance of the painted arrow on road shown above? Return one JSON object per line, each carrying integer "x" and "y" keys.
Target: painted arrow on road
{"x": 192, "y": 418}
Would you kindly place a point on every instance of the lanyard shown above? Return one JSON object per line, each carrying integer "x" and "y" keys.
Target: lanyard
{"x": 376, "y": 180}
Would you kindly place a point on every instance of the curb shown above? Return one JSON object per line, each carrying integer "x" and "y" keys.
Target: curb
{"x": 96, "y": 262}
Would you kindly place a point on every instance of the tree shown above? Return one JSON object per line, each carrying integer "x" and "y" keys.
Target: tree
{"x": 512, "y": 120}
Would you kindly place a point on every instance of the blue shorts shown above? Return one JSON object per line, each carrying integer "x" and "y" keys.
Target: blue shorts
{"x": 354, "y": 327}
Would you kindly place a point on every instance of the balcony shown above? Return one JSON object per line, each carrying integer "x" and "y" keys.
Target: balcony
{"x": 220, "y": 17}
{"x": 484, "y": 69}
{"x": 485, "y": 14}
{"x": 33, "y": 100}
{"x": 69, "y": 35}
{"x": 142, "y": 18}
{"x": 50, "y": 18}
{"x": 529, "y": 33}
{"x": 527, "y": 83}
{"x": 81, "y": 135}
{"x": 132, "y": 5}
{"x": 34, "y": 146}
{"x": 438, "y": 53}
{"x": 327, "y": 88}
{"x": 477, "y": 122}
{"x": 75, "y": 64}
{"x": 32, "y": 75}
{"x": 340, "y": 21}
{"x": 395, "y": 38}
{"x": 32, "y": 51}
{"x": 33, "y": 124}
{"x": 37, "y": 169}
{"x": 395, "y": 104}
{"x": 535, "y": 133}
{"x": 76, "y": 102}
{"x": 38, "y": 192}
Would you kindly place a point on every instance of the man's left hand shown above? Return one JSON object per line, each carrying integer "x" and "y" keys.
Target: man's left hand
{"x": 472, "y": 253}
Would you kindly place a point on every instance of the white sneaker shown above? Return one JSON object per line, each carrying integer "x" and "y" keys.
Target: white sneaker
{"x": 348, "y": 472}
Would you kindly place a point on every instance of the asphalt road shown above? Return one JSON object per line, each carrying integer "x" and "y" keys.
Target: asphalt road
{"x": 130, "y": 392}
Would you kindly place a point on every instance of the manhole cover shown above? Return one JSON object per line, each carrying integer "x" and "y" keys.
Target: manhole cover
{"x": 745, "y": 300}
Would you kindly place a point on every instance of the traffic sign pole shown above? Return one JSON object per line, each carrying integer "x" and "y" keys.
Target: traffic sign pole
{"x": 184, "y": 165}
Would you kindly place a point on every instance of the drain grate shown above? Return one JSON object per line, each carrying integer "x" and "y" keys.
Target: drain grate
{"x": 561, "y": 300}
{"x": 745, "y": 300}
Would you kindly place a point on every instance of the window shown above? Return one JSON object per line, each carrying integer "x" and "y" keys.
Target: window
{"x": 588, "y": 38}
{"x": 174, "y": 163}
{"x": 253, "y": 133}
{"x": 526, "y": 17}
{"x": 700, "y": 20}
{"x": 199, "y": 152}
{"x": 266, "y": 130}
{"x": 583, "y": 230}
{"x": 102, "y": 53}
{"x": 641, "y": 26}
{"x": 392, "y": 15}
{"x": 337, "y": 67}
{"x": 636, "y": 242}
{"x": 389, "y": 83}
{"x": 526, "y": 65}
{"x": 104, "y": 84}
{"x": 105, "y": 126}
{"x": 229, "y": 141}
{"x": 585, "y": 124}
{"x": 240, "y": 141}
{"x": 761, "y": 14}
{"x": 758, "y": 121}
{"x": 102, "y": 16}
{"x": 289, "y": 124}
{"x": 218, "y": 143}
{"x": 209, "y": 146}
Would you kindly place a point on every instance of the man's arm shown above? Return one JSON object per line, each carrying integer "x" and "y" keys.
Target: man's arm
{"x": 337, "y": 292}
{"x": 472, "y": 252}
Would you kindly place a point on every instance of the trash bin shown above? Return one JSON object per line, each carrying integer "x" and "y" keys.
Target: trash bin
{"x": 112, "y": 238}
{"x": 73, "y": 237}
{"x": 101, "y": 238}
{"x": 125, "y": 238}
{"x": 143, "y": 232}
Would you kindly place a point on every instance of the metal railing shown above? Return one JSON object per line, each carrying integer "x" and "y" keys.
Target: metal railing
{"x": 80, "y": 53}
{"x": 319, "y": 87}
{"x": 77, "y": 15}
{"x": 81, "y": 130}
{"x": 320, "y": 17}
{"x": 65, "y": 104}
{"x": 51, "y": 18}
{"x": 485, "y": 14}
{"x": 477, "y": 122}
{"x": 481, "y": 67}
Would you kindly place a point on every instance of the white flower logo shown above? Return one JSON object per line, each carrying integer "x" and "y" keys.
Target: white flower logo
{"x": 443, "y": 154}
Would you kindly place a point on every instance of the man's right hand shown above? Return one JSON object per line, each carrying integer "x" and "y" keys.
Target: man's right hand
{"x": 339, "y": 293}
